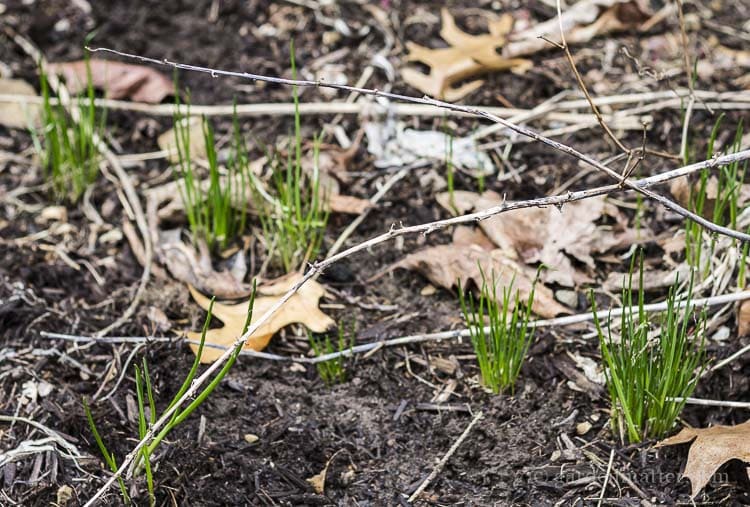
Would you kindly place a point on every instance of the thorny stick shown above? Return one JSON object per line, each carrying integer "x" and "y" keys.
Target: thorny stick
{"x": 625, "y": 182}
{"x": 564, "y": 46}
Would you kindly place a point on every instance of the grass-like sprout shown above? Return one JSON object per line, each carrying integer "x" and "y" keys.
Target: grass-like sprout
{"x": 146, "y": 401}
{"x": 500, "y": 333}
{"x": 699, "y": 247}
{"x": 332, "y": 371}
{"x": 66, "y": 147}
{"x": 216, "y": 214}
{"x": 295, "y": 224}
{"x": 648, "y": 377}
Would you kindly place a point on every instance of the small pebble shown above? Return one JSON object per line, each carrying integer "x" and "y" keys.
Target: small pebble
{"x": 428, "y": 290}
{"x": 567, "y": 297}
{"x": 583, "y": 427}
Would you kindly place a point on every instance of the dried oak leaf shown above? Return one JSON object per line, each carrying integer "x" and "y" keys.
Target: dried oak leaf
{"x": 467, "y": 56}
{"x": 301, "y": 308}
{"x": 118, "y": 80}
{"x": 549, "y": 235}
{"x": 711, "y": 448}
{"x": 443, "y": 265}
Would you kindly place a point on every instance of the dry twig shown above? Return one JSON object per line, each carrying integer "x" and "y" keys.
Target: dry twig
{"x": 480, "y": 113}
{"x": 444, "y": 460}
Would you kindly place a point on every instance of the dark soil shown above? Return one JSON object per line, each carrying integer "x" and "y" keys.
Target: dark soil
{"x": 383, "y": 430}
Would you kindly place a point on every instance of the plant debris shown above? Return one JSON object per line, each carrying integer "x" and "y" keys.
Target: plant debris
{"x": 445, "y": 265}
{"x": 466, "y": 57}
{"x": 711, "y": 448}
{"x": 532, "y": 235}
{"x": 301, "y": 308}
{"x": 118, "y": 80}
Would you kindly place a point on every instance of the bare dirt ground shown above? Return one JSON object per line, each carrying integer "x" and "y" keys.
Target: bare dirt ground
{"x": 388, "y": 424}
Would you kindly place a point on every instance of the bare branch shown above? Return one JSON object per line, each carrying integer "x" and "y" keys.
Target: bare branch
{"x": 625, "y": 182}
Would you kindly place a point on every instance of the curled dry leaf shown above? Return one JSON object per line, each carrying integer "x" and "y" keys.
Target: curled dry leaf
{"x": 549, "y": 235}
{"x": 18, "y": 115}
{"x": 118, "y": 80}
{"x": 444, "y": 265}
{"x": 195, "y": 268}
{"x": 301, "y": 308}
{"x": 711, "y": 448}
{"x": 318, "y": 481}
{"x": 467, "y": 56}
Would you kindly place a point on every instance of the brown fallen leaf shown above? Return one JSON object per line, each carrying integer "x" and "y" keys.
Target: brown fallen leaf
{"x": 301, "y": 308}
{"x": 118, "y": 80}
{"x": 465, "y": 235}
{"x": 444, "y": 265}
{"x": 681, "y": 189}
{"x": 467, "y": 56}
{"x": 711, "y": 448}
{"x": 18, "y": 115}
{"x": 194, "y": 267}
{"x": 348, "y": 204}
{"x": 318, "y": 481}
{"x": 549, "y": 235}
{"x": 332, "y": 167}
